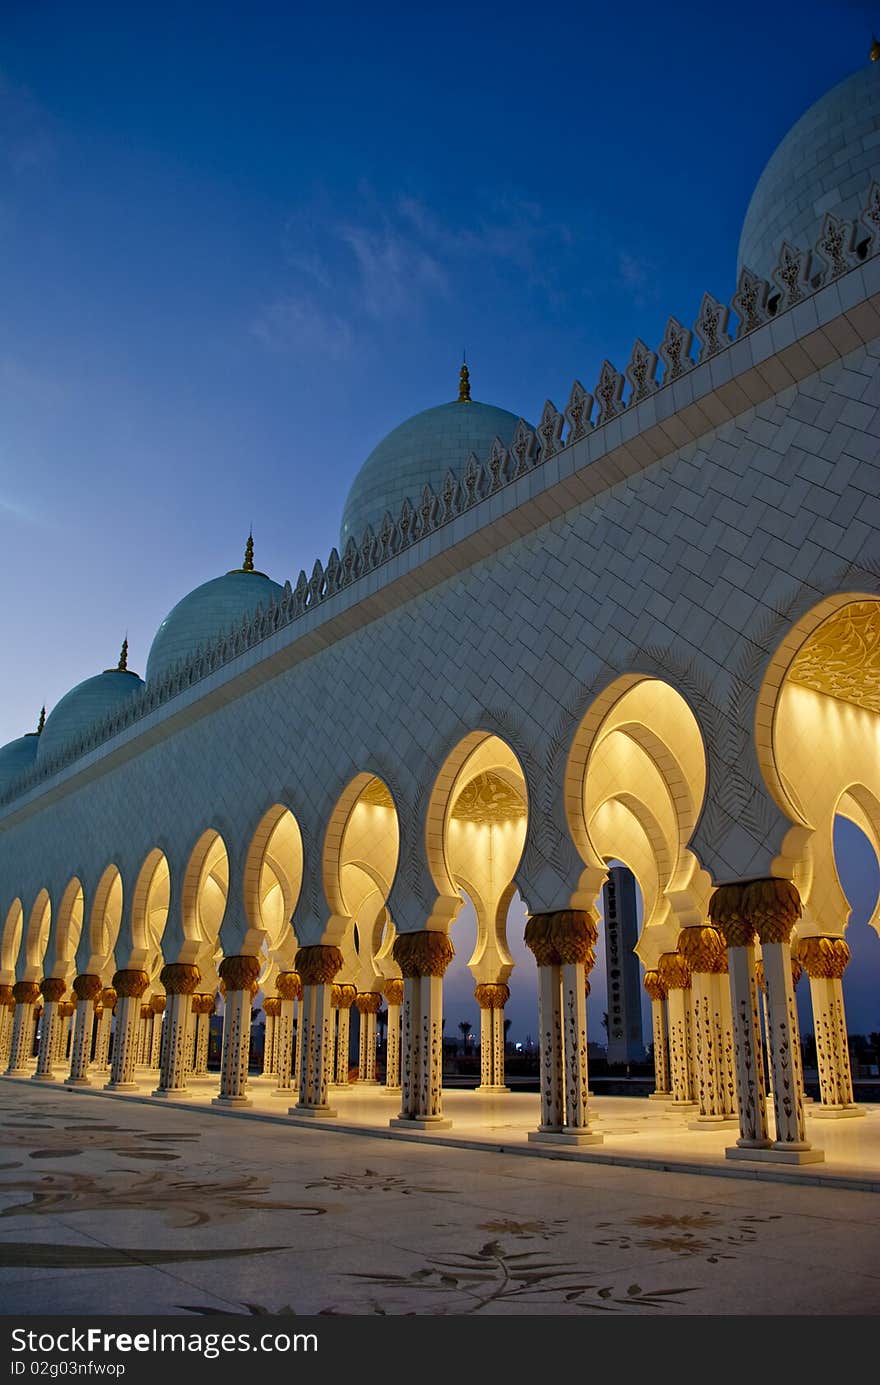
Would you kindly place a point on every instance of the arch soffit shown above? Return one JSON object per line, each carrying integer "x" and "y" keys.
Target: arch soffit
{"x": 334, "y": 838}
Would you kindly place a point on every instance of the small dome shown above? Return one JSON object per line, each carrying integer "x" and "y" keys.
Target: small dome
{"x": 85, "y": 704}
{"x": 825, "y": 164}
{"x": 16, "y": 757}
{"x": 418, "y": 453}
{"x": 206, "y": 614}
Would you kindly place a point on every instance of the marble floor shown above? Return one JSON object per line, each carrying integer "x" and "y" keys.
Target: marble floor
{"x": 123, "y": 1205}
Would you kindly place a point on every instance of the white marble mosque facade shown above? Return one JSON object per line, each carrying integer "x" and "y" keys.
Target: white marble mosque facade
{"x": 607, "y": 641}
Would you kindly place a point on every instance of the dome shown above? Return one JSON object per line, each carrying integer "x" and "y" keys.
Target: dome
{"x": 84, "y": 705}
{"x": 209, "y": 612}
{"x": 16, "y": 757}
{"x": 418, "y": 453}
{"x": 824, "y": 164}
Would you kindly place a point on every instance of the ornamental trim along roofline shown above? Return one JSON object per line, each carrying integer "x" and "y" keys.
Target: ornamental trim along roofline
{"x": 840, "y": 249}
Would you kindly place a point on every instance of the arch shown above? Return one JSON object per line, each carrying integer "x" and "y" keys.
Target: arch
{"x": 205, "y": 888}
{"x": 273, "y": 875}
{"x": 68, "y": 926}
{"x": 10, "y": 942}
{"x": 105, "y": 918}
{"x": 37, "y": 938}
{"x": 150, "y": 901}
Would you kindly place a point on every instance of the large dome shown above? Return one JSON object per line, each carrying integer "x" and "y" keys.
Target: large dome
{"x": 16, "y": 757}
{"x": 206, "y": 614}
{"x": 824, "y": 164}
{"x": 84, "y": 705}
{"x": 418, "y": 453}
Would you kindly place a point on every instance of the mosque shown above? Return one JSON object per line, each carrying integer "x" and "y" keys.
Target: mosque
{"x": 644, "y": 629}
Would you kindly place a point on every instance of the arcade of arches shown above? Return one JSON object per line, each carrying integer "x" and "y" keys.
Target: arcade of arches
{"x": 93, "y": 994}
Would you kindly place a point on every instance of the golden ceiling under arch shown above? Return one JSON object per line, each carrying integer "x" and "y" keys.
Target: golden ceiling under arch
{"x": 842, "y": 657}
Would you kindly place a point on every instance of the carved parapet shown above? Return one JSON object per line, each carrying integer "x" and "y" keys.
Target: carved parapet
{"x": 675, "y": 974}
{"x": 703, "y": 948}
{"x": 423, "y": 954}
{"x": 368, "y": 1002}
{"x": 318, "y": 965}
{"x": 565, "y": 936}
{"x": 342, "y": 995}
{"x": 108, "y": 998}
{"x": 179, "y": 978}
{"x": 52, "y": 988}
{"x": 130, "y": 983}
{"x": 272, "y": 1006}
{"x": 491, "y": 996}
{"x": 393, "y": 991}
{"x": 653, "y": 985}
{"x": 86, "y": 986}
{"x": 289, "y": 985}
{"x": 240, "y": 973}
{"x": 823, "y": 958}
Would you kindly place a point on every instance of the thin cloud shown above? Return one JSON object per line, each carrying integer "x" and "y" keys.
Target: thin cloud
{"x": 302, "y": 326}
{"x": 26, "y": 138}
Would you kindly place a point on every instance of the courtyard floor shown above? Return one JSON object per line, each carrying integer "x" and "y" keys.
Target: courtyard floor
{"x": 117, "y": 1205}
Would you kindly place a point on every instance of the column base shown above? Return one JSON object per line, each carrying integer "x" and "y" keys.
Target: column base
{"x": 566, "y": 1137}
{"x": 338, "y": 1086}
{"x": 712, "y": 1122}
{"x": 78, "y": 1082}
{"x": 392, "y": 1091}
{"x": 420, "y": 1123}
{"x": 786, "y": 1154}
{"x": 231, "y": 1101}
{"x": 315, "y": 1112}
{"x": 490, "y": 1091}
{"x": 17, "y": 1072}
{"x": 172, "y": 1092}
{"x": 287, "y": 1093}
{"x": 369, "y": 1082}
{"x": 827, "y": 1113}
{"x": 682, "y": 1105}
{"x": 44, "y": 1077}
{"x": 121, "y": 1087}
{"x": 660, "y": 1096}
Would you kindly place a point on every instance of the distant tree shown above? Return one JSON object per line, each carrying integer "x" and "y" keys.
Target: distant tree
{"x": 465, "y": 1028}
{"x": 507, "y": 1024}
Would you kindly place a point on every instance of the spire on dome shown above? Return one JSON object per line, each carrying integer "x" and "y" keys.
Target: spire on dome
{"x": 874, "y": 54}
{"x": 42, "y": 721}
{"x": 464, "y": 383}
{"x": 248, "y": 565}
{"x": 122, "y": 666}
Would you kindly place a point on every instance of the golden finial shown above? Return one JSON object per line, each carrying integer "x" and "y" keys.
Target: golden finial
{"x": 464, "y": 384}
{"x": 875, "y": 49}
{"x": 122, "y": 666}
{"x": 42, "y": 721}
{"x": 249, "y": 554}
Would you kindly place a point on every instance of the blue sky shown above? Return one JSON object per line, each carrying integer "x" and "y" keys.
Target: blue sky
{"x": 239, "y": 243}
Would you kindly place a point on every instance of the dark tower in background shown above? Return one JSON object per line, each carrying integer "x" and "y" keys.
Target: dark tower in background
{"x": 625, "y": 1042}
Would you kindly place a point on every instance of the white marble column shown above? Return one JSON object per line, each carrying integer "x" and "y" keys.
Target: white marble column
{"x": 239, "y": 975}
{"x": 129, "y": 986}
{"x": 704, "y": 951}
{"x": 657, "y": 992}
{"x": 726, "y": 1042}
{"x": 203, "y": 1009}
{"x": 101, "y": 1063}
{"x": 784, "y": 1042}
{"x": 158, "y": 1005}
{"x": 289, "y": 987}
{"x": 270, "y": 1012}
{"x": 7, "y": 1012}
{"x": 25, "y": 994}
{"x": 368, "y": 1004}
{"x": 393, "y": 990}
{"x": 342, "y": 998}
{"x": 423, "y": 958}
{"x": 676, "y": 978}
{"x": 180, "y": 980}
{"x": 550, "y": 1052}
{"x": 492, "y": 998}
{"x": 87, "y": 989}
{"x": 52, "y": 990}
{"x": 316, "y": 966}
{"x": 825, "y": 959}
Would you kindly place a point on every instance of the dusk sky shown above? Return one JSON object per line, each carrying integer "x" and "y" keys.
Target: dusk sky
{"x": 239, "y": 243}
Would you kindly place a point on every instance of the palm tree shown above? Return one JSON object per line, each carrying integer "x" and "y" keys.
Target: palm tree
{"x": 465, "y": 1027}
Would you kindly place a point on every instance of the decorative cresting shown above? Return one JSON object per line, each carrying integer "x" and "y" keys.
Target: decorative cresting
{"x": 317, "y": 966}
{"x": 392, "y": 989}
{"x": 240, "y": 975}
{"x": 825, "y": 959}
{"x": 657, "y": 993}
{"x": 288, "y": 986}
{"x": 492, "y": 998}
{"x": 703, "y": 949}
{"x": 369, "y": 1004}
{"x": 675, "y": 976}
{"x": 423, "y": 958}
{"x": 798, "y": 275}
{"x": 563, "y": 944}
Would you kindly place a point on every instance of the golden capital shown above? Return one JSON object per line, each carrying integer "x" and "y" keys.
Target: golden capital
{"x": 317, "y": 965}
{"x": 675, "y": 974}
{"x": 86, "y": 986}
{"x": 393, "y": 991}
{"x": 774, "y": 907}
{"x": 272, "y": 1006}
{"x": 564, "y": 936}
{"x": 158, "y": 1002}
{"x": 66, "y": 1008}
{"x": 727, "y": 912}
{"x": 52, "y": 988}
{"x": 108, "y": 998}
{"x": 131, "y": 983}
{"x": 146, "y": 1011}
{"x": 702, "y": 948}
{"x": 240, "y": 973}
{"x": 203, "y": 1004}
{"x": 289, "y": 985}
{"x": 423, "y": 954}
{"x": 491, "y": 995}
{"x": 180, "y": 978}
{"x": 823, "y": 958}
{"x": 6, "y": 996}
{"x": 368, "y": 1002}
{"x": 653, "y": 985}
{"x": 342, "y": 995}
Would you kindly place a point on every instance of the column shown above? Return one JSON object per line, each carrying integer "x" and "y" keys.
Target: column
{"x": 102, "y": 1035}
{"x": 141, "y": 1046}
{"x": 87, "y": 989}
{"x": 289, "y": 987}
{"x": 180, "y": 980}
{"x": 393, "y": 992}
{"x": 423, "y": 958}
{"x": 825, "y": 959}
{"x": 67, "y": 1011}
{"x": 492, "y": 998}
{"x": 240, "y": 976}
{"x": 657, "y": 992}
{"x": 129, "y": 986}
{"x": 703, "y": 949}
{"x": 317, "y": 966}
{"x": 563, "y": 943}
{"x": 271, "y": 1006}
{"x": 342, "y": 997}
{"x": 369, "y": 1004}
{"x": 25, "y": 994}
{"x": 7, "y": 1012}
{"x": 157, "y": 1005}
{"x": 675, "y": 974}
{"x": 52, "y": 989}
